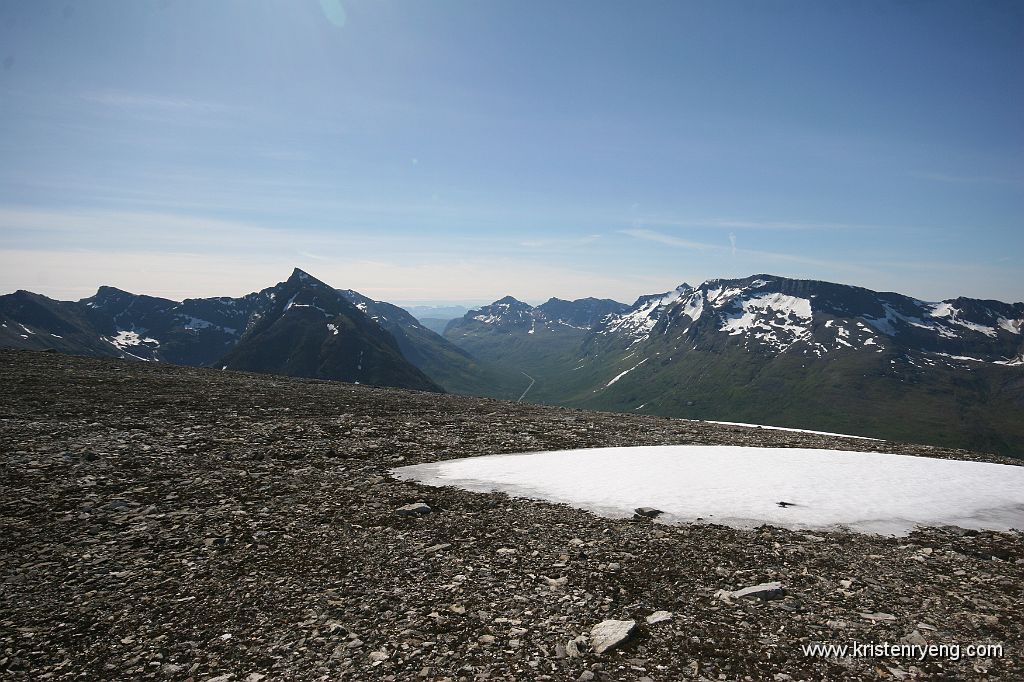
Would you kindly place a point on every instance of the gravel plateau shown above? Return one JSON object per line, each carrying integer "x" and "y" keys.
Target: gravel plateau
{"x": 161, "y": 522}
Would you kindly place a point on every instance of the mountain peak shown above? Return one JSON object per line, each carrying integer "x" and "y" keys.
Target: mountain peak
{"x": 508, "y": 300}
{"x": 301, "y": 278}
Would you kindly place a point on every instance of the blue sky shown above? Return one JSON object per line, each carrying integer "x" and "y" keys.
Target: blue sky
{"x": 460, "y": 151}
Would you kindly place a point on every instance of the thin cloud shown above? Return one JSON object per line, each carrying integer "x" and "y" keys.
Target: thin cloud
{"x": 669, "y": 240}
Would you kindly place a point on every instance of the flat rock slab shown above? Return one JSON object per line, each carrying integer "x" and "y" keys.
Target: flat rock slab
{"x": 415, "y": 509}
{"x": 773, "y": 590}
{"x": 609, "y": 634}
{"x": 659, "y": 617}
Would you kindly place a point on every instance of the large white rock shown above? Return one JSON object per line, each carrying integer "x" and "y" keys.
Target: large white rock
{"x": 609, "y": 634}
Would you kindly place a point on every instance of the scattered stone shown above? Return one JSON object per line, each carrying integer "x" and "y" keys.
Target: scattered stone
{"x": 878, "y": 616}
{"x": 574, "y": 647}
{"x": 556, "y": 584}
{"x": 437, "y": 548}
{"x": 106, "y": 573}
{"x": 610, "y": 634}
{"x": 414, "y": 509}
{"x": 659, "y": 617}
{"x": 772, "y": 590}
{"x": 914, "y": 637}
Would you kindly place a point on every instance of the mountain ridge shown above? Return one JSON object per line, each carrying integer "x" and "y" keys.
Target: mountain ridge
{"x": 762, "y": 349}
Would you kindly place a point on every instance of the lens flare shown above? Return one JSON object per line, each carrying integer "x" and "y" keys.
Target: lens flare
{"x": 334, "y": 12}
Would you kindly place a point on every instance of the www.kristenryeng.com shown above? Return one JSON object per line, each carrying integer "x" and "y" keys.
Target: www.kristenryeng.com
{"x": 917, "y": 652}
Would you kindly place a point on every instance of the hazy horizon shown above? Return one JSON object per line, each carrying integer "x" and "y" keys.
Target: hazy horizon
{"x": 459, "y": 151}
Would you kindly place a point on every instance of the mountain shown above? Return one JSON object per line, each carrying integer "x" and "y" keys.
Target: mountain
{"x": 303, "y": 327}
{"x": 300, "y": 327}
{"x": 785, "y": 352}
{"x": 762, "y": 349}
{"x": 445, "y": 363}
{"x": 195, "y": 332}
{"x": 35, "y": 322}
{"x": 527, "y": 340}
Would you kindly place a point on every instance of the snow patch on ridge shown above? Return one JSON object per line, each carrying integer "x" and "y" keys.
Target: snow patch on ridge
{"x": 786, "y": 428}
{"x": 640, "y": 322}
{"x": 622, "y": 374}
{"x": 776, "y": 319}
{"x": 126, "y": 338}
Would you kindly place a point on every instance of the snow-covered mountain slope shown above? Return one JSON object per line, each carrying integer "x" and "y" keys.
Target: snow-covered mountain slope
{"x": 783, "y": 352}
{"x": 775, "y": 315}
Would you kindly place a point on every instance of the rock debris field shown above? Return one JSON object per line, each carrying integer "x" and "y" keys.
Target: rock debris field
{"x": 185, "y": 524}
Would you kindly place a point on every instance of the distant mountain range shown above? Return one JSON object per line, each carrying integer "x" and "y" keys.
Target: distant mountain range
{"x": 779, "y": 351}
{"x": 763, "y": 349}
{"x": 300, "y": 327}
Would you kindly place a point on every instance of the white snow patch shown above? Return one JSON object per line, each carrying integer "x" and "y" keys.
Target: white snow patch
{"x": 1012, "y": 326}
{"x": 622, "y": 374}
{"x": 27, "y": 330}
{"x": 641, "y": 321}
{"x": 126, "y": 338}
{"x": 199, "y": 323}
{"x": 776, "y": 319}
{"x": 786, "y": 428}
{"x": 740, "y": 486}
{"x": 959, "y": 357}
{"x": 333, "y": 328}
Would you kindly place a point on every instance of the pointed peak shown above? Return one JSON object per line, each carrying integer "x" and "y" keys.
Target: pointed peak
{"x": 508, "y": 300}
{"x": 300, "y": 277}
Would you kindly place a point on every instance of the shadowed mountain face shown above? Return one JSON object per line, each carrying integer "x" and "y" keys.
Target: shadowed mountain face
{"x": 36, "y": 322}
{"x": 303, "y": 327}
{"x": 445, "y": 363}
{"x": 300, "y": 327}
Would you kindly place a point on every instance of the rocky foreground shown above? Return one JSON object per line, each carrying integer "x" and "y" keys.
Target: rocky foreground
{"x": 173, "y": 523}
